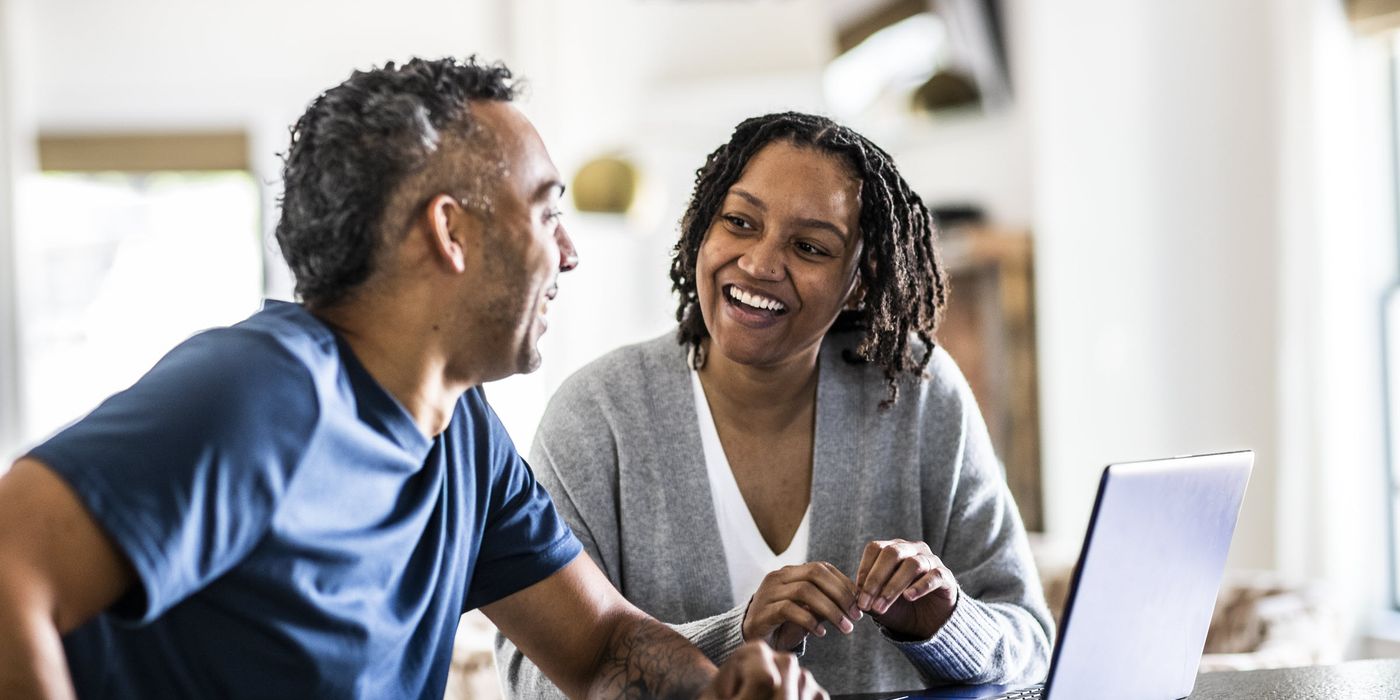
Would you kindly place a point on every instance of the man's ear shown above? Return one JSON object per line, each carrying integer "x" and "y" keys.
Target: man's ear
{"x": 451, "y": 231}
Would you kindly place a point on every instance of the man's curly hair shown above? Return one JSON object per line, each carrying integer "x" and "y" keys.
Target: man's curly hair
{"x": 905, "y": 283}
{"x": 355, "y": 146}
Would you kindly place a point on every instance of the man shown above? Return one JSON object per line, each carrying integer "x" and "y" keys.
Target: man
{"x": 303, "y": 505}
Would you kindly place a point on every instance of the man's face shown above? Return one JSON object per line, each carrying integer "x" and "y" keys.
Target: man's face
{"x": 525, "y": 246}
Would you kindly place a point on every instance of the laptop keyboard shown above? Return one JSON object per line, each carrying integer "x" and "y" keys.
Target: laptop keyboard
{"x": 1032, "y": 693}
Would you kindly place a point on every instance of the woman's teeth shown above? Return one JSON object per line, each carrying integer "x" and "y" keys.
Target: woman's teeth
{"x": 756, "y": 301}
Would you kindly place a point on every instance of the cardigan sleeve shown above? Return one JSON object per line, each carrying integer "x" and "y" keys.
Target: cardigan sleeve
{"x": 575, "y": 458}
{"x": 1000, "y": 630}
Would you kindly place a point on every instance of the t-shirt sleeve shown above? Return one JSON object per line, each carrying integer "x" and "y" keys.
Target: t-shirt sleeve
{"x": 185, "y": 469}
{"x": 524, "y": 540}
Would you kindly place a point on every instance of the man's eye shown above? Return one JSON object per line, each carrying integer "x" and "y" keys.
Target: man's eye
{"x": 553, "y": 215}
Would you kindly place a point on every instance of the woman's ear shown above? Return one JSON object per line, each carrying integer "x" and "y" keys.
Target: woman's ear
{"x": 855, "y": 296}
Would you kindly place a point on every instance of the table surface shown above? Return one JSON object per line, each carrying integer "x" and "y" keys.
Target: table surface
{"x": 1353, "y": 680}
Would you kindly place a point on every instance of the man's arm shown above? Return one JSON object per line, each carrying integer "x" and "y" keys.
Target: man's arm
{"x": 591, "y": 642}
{"x": 57, "y": 570}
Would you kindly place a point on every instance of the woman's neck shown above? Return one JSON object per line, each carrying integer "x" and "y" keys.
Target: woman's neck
{"x": 765, "y": 399}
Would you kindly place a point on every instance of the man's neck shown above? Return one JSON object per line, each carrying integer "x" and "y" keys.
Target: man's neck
{"x": 404, "y": 353}
{"x": 765, "y": 398}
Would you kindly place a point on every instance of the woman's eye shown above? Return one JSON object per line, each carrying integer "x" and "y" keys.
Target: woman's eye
{"x": 809, "y": 249}
{"x": 737, "y": 222}
{"x": 553, "y": 215}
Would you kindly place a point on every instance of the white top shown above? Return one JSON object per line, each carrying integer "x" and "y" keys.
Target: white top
{"x": 749, "y": 557}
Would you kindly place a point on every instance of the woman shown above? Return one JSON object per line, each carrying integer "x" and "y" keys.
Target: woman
{"x": 800, "y": 456}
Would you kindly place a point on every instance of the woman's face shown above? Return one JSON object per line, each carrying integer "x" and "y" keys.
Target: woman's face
{"x": 778, "y": 262}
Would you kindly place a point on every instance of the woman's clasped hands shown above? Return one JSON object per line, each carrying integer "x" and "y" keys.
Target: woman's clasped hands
{"x": 901, "y": 584}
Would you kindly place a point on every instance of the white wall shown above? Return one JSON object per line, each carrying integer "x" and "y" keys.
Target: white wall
{"x": 1214, "y": 234}
{"x": 1338, "y": 233}
{"x": 1156, "y": 242}
{"x": 154, "y": 63}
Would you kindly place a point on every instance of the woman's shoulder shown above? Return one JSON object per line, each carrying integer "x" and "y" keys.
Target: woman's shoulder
{"x": 629, "y": 365}
{"x": 940, "y": 382}
{"x": 618, "y": 379}
{"x": 629, "y": 395}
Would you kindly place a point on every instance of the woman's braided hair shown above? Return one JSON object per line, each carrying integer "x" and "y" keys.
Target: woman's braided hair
{"x": 905, "y": 283}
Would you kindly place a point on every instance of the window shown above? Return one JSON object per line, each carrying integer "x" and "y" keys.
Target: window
{"x": 116, "y": 266}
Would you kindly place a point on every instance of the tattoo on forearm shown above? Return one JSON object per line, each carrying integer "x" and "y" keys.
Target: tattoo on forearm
{"x": 646, "y": 659}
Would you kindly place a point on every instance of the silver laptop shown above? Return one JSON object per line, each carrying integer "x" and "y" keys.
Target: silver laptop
{"x": 1142, "y": 594}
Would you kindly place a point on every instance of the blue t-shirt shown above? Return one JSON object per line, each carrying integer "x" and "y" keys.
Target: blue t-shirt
{"x": 292, "y": 532}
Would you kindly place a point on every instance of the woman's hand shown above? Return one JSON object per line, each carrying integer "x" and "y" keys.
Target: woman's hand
{"x": 794, "y": 601}
{"x": 905, "y": 587}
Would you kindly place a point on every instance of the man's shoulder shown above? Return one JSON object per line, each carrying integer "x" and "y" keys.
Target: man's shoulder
{"x": 281, "y": 329}
{"x": 277, "y": 361}
{"x": 280, "y": 343}
{"x": 242, "y": 395}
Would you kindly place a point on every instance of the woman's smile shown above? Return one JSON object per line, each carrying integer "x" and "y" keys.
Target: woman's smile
{"x": 753, "y": 309}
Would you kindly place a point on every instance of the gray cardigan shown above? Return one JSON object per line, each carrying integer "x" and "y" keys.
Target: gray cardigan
{"x": 619, "y": 451}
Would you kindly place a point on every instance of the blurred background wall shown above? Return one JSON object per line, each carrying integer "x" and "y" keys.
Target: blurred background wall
{"x": 1207, "y": 188}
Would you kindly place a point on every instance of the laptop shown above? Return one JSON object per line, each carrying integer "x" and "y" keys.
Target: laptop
{"x": 1145, "y": 585}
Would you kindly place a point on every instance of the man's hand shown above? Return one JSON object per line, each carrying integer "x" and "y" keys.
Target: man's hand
{"x": 756, "y": 672}
{"x": 794, "y": 601}
{"x": 906, "y": 588}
